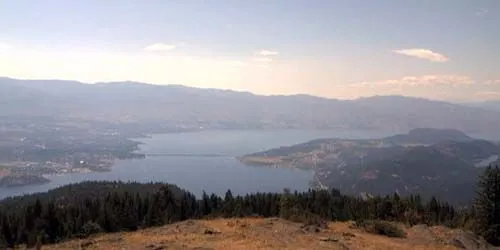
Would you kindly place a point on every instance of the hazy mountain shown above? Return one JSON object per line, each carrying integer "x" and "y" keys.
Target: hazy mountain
{"x": 175, "y": 104}
{"x": 429, "y": 136}
{"x": 490, "y": 105}
{"x": 16, "y": 99}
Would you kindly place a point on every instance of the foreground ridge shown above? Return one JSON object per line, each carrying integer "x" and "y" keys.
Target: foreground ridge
{"x": 274, "y": 233}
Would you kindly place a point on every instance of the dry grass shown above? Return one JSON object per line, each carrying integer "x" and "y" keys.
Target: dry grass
{"x": 256, "y": 233}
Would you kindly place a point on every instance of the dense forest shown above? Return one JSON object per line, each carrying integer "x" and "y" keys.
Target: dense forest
{"x": 80, "y": 210}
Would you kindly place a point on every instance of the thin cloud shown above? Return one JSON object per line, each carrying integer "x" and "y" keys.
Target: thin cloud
{"x": 491, "y": 82}
{"x": 160, "y": 47}
{"x": 267, "y": 53}
{"x": 425, "y": 80}
{"x": 236, "y": 63}
{"x": 423, "y": 54}
{"x": 262, "y": 59}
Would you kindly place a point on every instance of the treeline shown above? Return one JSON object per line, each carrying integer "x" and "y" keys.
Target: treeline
{"x": 93, "y": 207}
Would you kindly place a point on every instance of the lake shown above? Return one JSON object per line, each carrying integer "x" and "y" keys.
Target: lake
{"x": 205, "y": 161}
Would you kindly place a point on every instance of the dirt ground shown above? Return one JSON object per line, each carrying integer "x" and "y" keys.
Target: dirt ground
{"x": 257, "y": 233}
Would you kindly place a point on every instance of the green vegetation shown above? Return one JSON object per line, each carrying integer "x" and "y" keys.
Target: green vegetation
{"x": 487, "y": 205}
{"x": 80, "y": 210}
{"x": 382, "y": 228}
{"x": 115, "y": 206}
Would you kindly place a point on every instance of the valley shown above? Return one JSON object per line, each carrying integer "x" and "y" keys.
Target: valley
{"x": 52, "y": 129}
{"x": 279, "y": 124}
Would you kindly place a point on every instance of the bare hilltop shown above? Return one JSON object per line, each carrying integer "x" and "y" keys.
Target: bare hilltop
{"x": 273, "y": 233}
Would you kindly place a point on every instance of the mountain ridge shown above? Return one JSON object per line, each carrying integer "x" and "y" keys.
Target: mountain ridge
{"x": 132, "y": 102}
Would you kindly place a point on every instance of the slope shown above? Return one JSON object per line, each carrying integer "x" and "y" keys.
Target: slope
{"x": 432, "y": 162}
{"x": 273, "y": 233}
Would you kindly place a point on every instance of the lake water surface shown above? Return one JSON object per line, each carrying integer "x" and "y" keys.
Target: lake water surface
{"x": 206, "y": 161}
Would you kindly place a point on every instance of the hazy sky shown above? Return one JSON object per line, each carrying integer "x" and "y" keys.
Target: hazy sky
{"x": 447, "y": 49}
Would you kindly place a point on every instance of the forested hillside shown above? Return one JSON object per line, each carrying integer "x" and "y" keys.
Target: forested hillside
{"x": 444, "y": 163}
{"x": 87, "y": 208}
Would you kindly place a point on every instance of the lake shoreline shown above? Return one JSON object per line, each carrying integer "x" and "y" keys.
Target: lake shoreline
{"x": 205, "y": 161}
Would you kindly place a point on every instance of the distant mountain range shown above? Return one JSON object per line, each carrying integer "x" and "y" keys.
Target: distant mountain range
{"x": 175, "y": 105}
{"x": 439, "y": 162}
{"x": 489, "y": 105}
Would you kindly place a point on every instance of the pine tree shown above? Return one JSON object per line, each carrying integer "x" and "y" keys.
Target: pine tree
{"x": 228, "y": 206}
{"x": 120, "y": 210}
{"x": 7, "y": 233}
{"x": 433, "y": 210}
{"x": 52, "y": 223}
{"x": 154, "y": 215}
{"x": 487, "y": 205}
{"x": 285, "y": 204}
{"x": 205, "y": 205}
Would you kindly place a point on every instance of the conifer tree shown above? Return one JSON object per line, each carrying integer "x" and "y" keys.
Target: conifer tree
{"x": 285, "y": 204}
{"x": 487, "y": 205}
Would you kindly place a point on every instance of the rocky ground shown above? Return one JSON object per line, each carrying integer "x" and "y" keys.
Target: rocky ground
{"x": 257, "y": 233}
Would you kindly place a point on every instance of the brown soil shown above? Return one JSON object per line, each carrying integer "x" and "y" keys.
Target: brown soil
{"x": 257, "y": 233}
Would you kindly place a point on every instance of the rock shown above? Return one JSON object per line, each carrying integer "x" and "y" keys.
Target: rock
{"x": 468, "y": 240}
{"x": 348, "y": 235}
{"x": 342, "y": 246}
{"x": 155, "y": 247}
{"x": 211, "y": 231}
{"x": 310, "y": 229}
{"x": 329, "y": 239}
{"x": 316, "y": 227}
{"x": 86, "y": 244}
{"x": 456, "y": 243}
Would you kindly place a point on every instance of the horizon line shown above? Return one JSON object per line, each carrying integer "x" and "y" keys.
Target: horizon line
{"x": 231, "y": 90}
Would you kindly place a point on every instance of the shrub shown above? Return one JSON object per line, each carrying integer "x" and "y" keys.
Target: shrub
{"x": 90, "y": 228}
{"x": 308, "y": 218}
{"x": 382, "y": 228}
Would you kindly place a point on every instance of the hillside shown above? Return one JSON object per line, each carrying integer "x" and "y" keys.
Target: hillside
{"x": 274, "y": 233}
{"x": 432, "y": 162}
{"x": 132, "y": 103}
{"x": 87, "y": 209}
{"x": 428, "y": 136}
{"x": 86, "y": 190}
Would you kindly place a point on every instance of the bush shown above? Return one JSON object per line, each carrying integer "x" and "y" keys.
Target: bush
{"x": 381, "y": 228}
{"x": 315, "y": 220}
{"x": 90, "y": 228}
{"x": 307, "y": 218}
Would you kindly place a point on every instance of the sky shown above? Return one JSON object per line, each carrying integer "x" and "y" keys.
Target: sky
{"x": 445, "y": 50}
